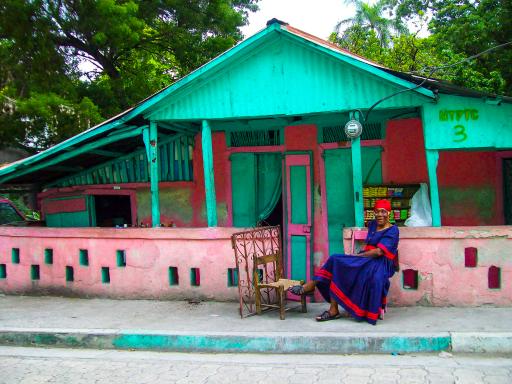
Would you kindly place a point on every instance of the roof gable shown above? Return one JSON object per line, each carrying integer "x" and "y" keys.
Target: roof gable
{"x": 285, "y": 74}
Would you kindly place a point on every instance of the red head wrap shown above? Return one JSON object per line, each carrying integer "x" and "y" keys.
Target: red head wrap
{"x": 383, "y": 204}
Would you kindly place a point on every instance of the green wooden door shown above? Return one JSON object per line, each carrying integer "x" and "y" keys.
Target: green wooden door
{"x": 299, "y": 215}
{"x": 73, "y": 211}
{"x": 243, "y": 176}
{"x": 339, "y": 190}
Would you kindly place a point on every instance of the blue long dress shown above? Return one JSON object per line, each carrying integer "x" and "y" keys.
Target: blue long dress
{"x": 361, "y": 284}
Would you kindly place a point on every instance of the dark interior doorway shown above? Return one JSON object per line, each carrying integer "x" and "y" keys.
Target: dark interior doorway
{"x": 276, "y": 216}
{"x": 507, "y": 190}
{"x": 112, "y": 210}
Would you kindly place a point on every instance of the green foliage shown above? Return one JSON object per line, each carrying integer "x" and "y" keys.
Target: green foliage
{"x": 66, "y": 65}
{"x": 18, "y": 199}
{"x": 371, "y": 18}
{"x": 411, "y": 54}
{"x": 463, "y": 28}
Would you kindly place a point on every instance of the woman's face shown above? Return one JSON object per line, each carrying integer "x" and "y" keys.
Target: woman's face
{"x": 381, "y": 216}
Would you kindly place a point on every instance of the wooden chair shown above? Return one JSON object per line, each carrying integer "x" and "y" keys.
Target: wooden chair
{"x": 272, "y": 266}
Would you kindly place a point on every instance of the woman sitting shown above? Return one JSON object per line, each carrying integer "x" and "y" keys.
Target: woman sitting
{"x": 359, "y": 283}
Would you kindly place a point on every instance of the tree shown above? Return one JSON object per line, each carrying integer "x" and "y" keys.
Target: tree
{"x": 111, "y": 52}
{"x": 370, "y": 18}
{"x": 470, "y": 27}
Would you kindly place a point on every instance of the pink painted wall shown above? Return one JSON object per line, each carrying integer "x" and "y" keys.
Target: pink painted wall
{"x": 149, "y": 254}
{"x": 438, "y": 256}
{"x": 469, "y": 182}
{"x": 436, "y": 253}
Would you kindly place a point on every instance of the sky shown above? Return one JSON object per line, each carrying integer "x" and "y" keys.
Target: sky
{"x": 317, "y": 17}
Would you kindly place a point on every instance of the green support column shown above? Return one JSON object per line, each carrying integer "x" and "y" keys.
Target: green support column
{"x": 357, "y": 178}
{"x": 209, "y": 179}
{"x": 432, "y": 160}
{"x": 152, "y": 151}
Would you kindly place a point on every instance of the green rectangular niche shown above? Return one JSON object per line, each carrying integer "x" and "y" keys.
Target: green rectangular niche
{"x": 70, "y": 274}
{"x": 15, "y": 255}
{"x": 105, "y": 275}
{"x": 121, "y": 258}
{"x": 232, "y": 277}
{"x": 195, "y": 277}
{"x": 173, "y": 276}
{"x": 34, "y": 272}
{"x": 48, "y": 256}
{"x": 3, "y": 271}
{"x": 84, "y": 257}
{"x": 260, "y": 275}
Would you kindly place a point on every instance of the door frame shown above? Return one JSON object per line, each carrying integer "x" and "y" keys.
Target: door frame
{"x": 500, "y": 185}
{"x": 309, "y": 261}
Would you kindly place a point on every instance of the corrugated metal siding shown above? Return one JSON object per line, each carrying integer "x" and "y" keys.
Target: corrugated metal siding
{"x": 286, "y": 78}
{"x": 176, "y": 164}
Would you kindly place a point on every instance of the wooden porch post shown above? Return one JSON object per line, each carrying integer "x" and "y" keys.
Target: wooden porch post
{"x": 209, "y": 179}
{"x": 432, "y": 160}
{"x": 151, "y": 142}
{"x": 357, "y": 178}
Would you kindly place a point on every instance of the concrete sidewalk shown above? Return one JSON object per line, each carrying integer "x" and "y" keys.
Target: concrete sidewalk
{"x": 217, "y": 327}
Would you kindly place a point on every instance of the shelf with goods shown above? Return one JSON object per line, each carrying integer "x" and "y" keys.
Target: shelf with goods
{"x": 400, "y": 196}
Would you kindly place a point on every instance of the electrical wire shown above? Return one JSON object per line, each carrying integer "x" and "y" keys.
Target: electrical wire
{"x": 432, "y": 71}
{"x": 399, "y": 92}
{"x": 464, "y": 60}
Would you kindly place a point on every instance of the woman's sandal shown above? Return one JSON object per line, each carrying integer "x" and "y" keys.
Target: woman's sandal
{"x": 326, "y": 316}
{"x": 299, "y": 290}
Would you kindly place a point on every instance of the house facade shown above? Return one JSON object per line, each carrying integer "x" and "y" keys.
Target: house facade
{"x": 143, "y": 205}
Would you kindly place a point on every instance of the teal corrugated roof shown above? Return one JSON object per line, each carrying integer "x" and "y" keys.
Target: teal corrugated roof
{"x": 227, "y": 58}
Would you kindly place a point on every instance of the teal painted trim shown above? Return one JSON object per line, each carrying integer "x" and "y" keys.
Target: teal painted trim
{"x": 283, "y": 344}
{"x": 357, "y": 180}
{"x": 432, "y": 161}
{"x": 65, "y": 156}
{"x": 360, "y": 64}
{"x": 152, "y": 148}
{"x": 209, "y": 179}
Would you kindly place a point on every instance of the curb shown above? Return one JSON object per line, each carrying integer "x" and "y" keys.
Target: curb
{"x": 230, "y": 343}
{"x": 323, "y": 343}
{"x": 482, "y": 342}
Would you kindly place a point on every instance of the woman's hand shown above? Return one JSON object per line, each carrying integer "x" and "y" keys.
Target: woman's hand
{"x": 376, "y": 252}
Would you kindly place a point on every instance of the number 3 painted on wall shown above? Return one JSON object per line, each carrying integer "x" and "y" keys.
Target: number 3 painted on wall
{"x": 460, "y": 132}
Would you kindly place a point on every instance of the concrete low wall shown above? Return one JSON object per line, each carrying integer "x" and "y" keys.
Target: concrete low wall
{"x": 149, "y": 254}
{"x": 439, "y": 257}
{"x": 437, "y": 254}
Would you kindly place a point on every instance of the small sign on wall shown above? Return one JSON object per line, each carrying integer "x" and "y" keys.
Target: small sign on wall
{"x": 457, "y": 122}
